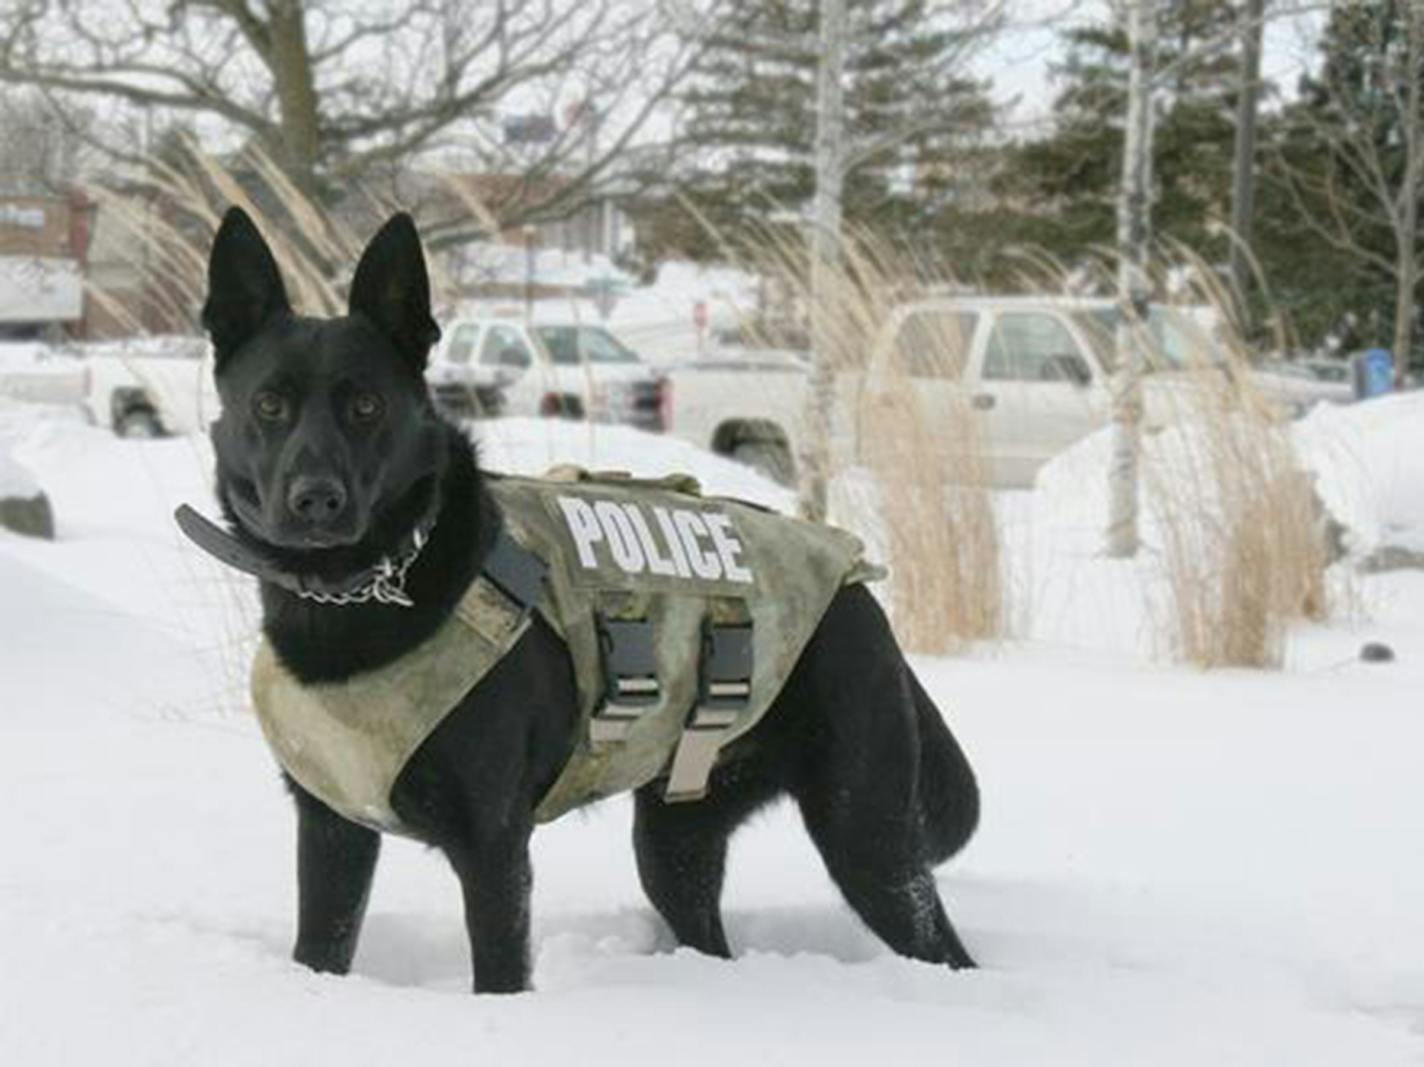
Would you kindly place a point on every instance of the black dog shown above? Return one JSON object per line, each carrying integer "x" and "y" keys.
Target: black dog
{"x": 329, "y": 455}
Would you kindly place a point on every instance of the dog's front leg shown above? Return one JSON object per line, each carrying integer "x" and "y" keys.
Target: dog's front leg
{"x": 495, "y": 879}
{"x": 336, "y": 859}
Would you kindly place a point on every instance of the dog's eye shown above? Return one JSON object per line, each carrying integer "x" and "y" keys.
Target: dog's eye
{"x": 366, "y": 407}
{"x": 270, "y": 406}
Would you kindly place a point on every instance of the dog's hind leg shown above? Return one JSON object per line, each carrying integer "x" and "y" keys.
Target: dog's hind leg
{"x": 879, "y": 871}
{"x": 949, "y": 795}
{"x": 682, "y": 851}
{"x": 336, "y": 859}
{"x": 857, "y": 778}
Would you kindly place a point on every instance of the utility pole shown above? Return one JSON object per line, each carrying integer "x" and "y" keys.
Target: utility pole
{"x": 1243, "y": 166}
{"x": 825, "y": 254}
{"x": 1134, "y": 240}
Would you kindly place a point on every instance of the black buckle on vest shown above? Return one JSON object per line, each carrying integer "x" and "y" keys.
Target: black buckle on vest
{"x": 630, "y": 673}
{"x": 724, "y": 676}
{"x": 515, "y": 571}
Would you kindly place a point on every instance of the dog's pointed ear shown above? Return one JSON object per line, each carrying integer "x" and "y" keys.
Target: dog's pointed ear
{"x": 392, "y": 289}
{"x": 244, "y": 286}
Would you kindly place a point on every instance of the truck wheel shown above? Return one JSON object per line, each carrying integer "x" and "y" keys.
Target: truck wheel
{"x": 138, "y": 423}
{"x": 767, "y": 458}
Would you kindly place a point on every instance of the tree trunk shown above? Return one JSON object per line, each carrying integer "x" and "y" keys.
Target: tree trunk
{"x": 1134, "y": 235}
{"x": 1411, "y": 124}
{"x": 290, "y": 63}
{"x": 1243, "y": 167}
{"x": 825, "y": 256}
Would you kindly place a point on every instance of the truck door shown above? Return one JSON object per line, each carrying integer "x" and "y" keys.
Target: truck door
{"x": 1036, "y": 390}
{"x": 926, "y": 382}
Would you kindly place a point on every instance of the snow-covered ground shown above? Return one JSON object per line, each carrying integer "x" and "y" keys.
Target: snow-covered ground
{"x": 1173, "y": 867}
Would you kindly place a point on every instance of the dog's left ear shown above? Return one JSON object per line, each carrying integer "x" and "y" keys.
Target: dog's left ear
{"x": 392, "y": 289}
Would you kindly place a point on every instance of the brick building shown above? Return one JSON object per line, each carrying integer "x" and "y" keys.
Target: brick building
{"x": 44, "y": 242}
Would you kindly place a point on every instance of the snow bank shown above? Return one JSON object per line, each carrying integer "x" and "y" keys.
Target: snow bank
{"x": 15, "y": 481}
{"x": 1368, "y": 459}
{"x": 532, "y": 446}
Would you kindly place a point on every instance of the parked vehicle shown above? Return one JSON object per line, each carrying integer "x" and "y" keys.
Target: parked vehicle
{"x": 148, "y": 388}
{"x": 1307, "y": 382}
{"x": 1032, "y": 372}
{"x": 151, "y": 388}
{"x": 562, "y": 367}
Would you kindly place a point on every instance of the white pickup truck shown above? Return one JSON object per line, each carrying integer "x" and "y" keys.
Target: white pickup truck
{"x": 1033, "y": 372}
{"x": 505, "y": 365}
{"x": 140, "y": 388}
{"x": 152, "y": 387}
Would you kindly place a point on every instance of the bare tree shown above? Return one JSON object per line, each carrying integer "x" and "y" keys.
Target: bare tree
{"x": 1359, "y": 187}
{"x": 836, "y": 154}
{"x": 825, "y": 250}
{"x": 1134, "y": 239}
{"x": 38, "y": 154}
{"x": 333, "y": 90}
{"x": 1243, "y": 166}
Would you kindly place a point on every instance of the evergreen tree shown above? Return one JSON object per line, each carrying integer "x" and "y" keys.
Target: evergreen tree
{"x": 1068, "y": 180}
{"x": 751, "y": 112}
{"x": 1334, "y": 229}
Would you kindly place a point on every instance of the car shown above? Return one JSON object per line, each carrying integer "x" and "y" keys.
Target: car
{"x": 510, "y": 365}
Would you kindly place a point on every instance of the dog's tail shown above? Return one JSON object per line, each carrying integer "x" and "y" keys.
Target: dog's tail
{"x": 949, "y": 794}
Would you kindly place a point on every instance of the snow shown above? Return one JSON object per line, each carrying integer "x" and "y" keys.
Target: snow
{"x": 1173, "y": 868}
{"x": 15, "y": 481}
{"x": 1369, "y": 459}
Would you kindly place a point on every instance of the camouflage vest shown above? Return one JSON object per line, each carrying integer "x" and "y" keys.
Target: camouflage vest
{"x": 683, "y": 616}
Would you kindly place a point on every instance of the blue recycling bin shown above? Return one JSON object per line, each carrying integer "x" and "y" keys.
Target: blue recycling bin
{"x": 1373, "y": 372}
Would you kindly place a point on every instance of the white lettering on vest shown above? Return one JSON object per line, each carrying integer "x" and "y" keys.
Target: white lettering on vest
{"x": 620, "y": 535}
{"x": 583, "y": 524}
{"x": 728, "y": 547}
{"x": 687, "y": 543}
{"x": 674, "y": 543}
{"x": 656, "y": 564}
{"x": 690, "y": 527}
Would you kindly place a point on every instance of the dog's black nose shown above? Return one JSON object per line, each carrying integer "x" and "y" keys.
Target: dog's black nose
{"x": 316, "y": 500}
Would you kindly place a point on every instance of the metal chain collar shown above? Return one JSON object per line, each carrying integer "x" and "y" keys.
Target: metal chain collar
{"x": 386, "y": 584}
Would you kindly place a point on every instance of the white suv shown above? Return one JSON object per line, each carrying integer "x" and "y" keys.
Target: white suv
{"x": 506, "y": 365}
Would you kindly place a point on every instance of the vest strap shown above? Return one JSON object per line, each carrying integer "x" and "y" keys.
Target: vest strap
{"x": 724, "y": 689}
{"x": 515, "y": 571}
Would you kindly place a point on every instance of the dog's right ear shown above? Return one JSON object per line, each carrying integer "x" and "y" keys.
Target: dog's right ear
{"x": 244, "y": 286}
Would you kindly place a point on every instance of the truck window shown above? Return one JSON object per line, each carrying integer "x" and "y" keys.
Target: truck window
{"x": 504, "y": 347}
{"x": 583, "y": 344}
{"x": 935, "y": 344}
{"x": 1029, "y": 347}
{"x": 462, "y": 344}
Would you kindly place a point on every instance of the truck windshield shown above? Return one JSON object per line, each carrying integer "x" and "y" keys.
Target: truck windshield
{"x": 1178, "y": 342}
{"x": 583, "y": 344}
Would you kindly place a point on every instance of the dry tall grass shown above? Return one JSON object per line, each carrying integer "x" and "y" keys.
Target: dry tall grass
{"x": 907, "y": 466}
{"x": 1236, "y": 520}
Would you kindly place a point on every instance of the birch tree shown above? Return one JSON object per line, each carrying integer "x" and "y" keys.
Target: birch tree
{"x": 825, "y": 254}
{"x": 1134, "y": 237}
{"x": 1243, "y": 167}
